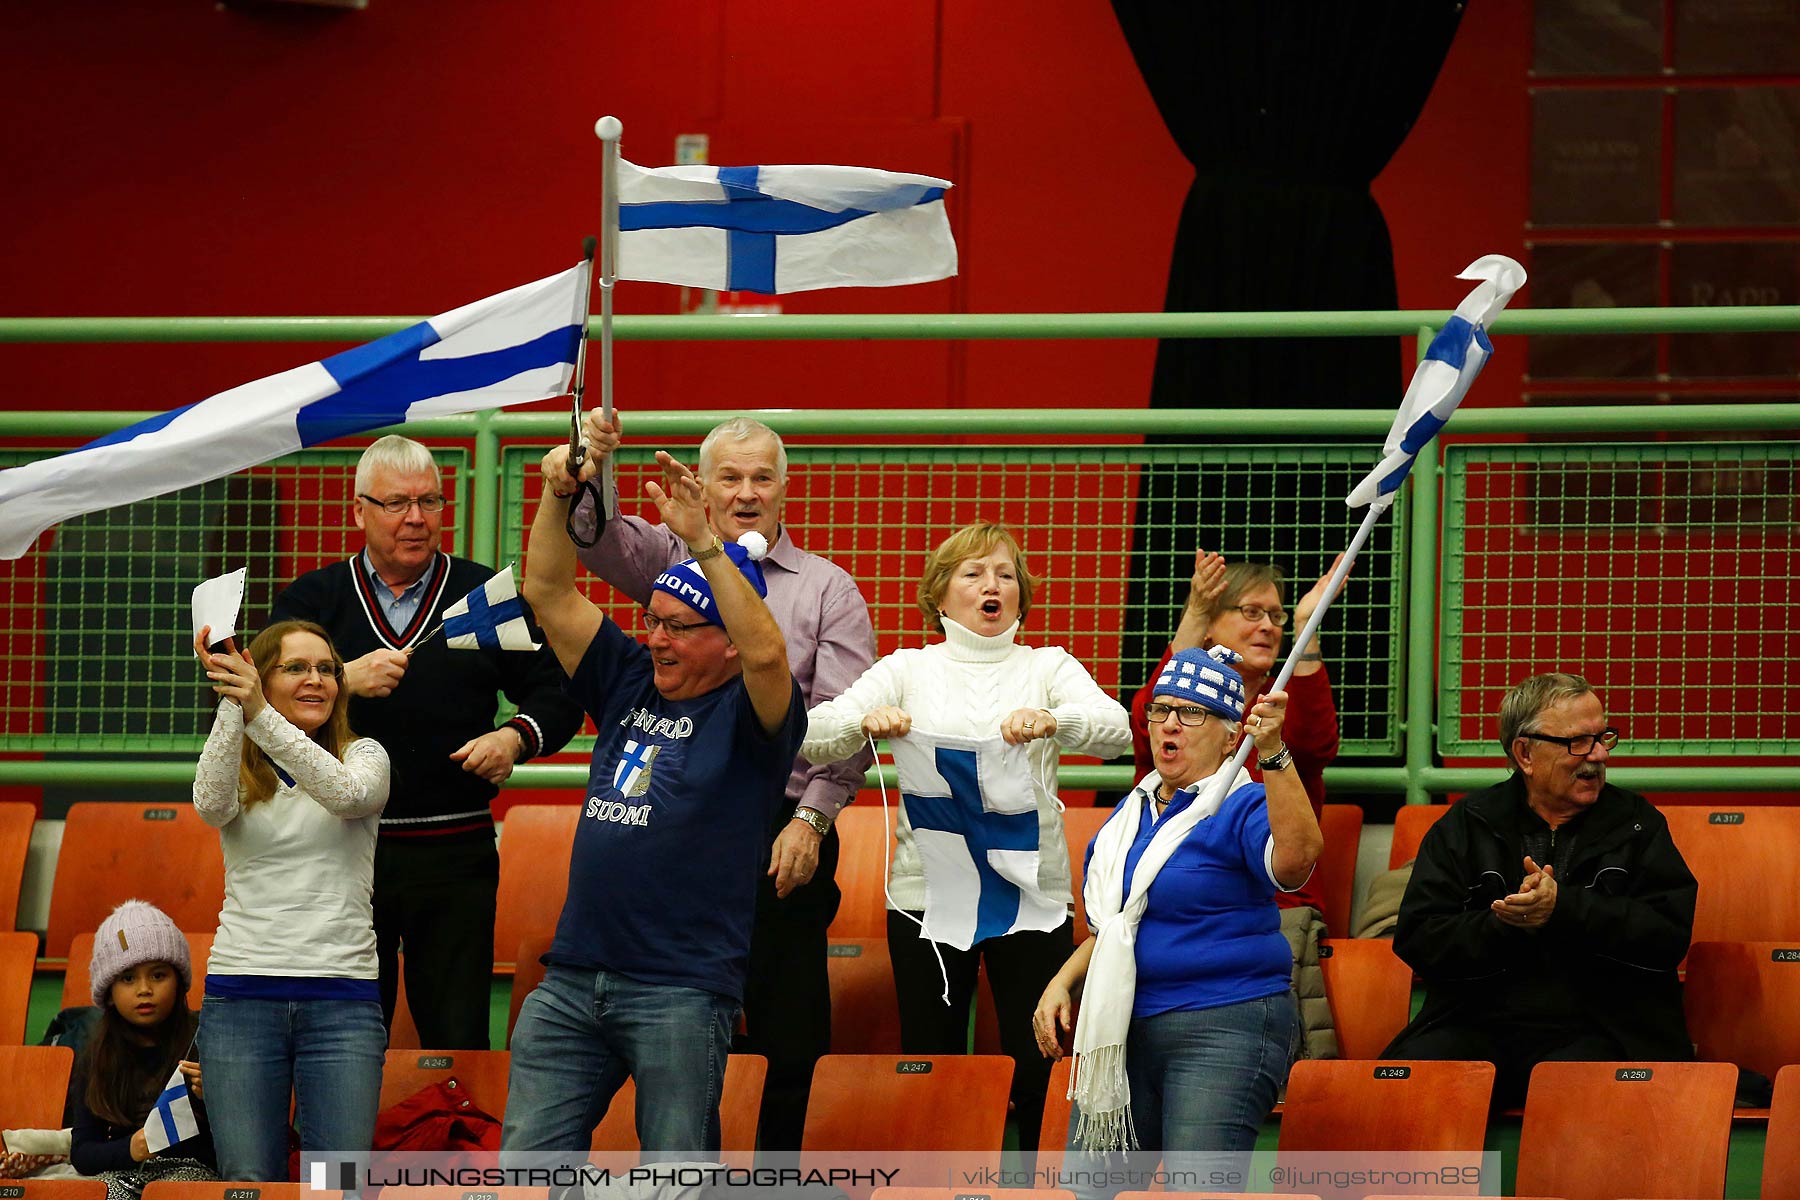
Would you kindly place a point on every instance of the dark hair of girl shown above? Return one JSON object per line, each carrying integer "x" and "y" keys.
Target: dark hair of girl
{"x": 120, "y": 1091}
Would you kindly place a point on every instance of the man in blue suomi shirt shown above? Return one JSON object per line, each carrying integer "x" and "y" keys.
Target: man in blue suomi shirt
{"x": 697, "y": 731}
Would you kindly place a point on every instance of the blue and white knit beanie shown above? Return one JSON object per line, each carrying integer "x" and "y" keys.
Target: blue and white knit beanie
{"x": 136, "y": 933}
{"x": 686, "y": 581}
{"x": 1207, "y": 678}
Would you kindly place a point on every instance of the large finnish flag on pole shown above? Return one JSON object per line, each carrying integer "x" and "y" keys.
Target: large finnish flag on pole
{"x": 511, "y": 348}
{"x": 782, "y": 228}
{"x": 172, "y": 1120}
{"x": 492, "y": 617}
{"x": 1442, "y": 379}
{"x": 972, "y": 806}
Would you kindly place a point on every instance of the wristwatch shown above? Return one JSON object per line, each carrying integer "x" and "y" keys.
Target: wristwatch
{"x": 821, "y": 824}
{"x": 713, "y": 551}
{"x": 1276, "y": 761}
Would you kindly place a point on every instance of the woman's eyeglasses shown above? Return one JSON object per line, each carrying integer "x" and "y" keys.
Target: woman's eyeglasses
{"x": 300, "y": 668}
{"x": 1187, "y": 714}
{"x": 1254, "y": 613}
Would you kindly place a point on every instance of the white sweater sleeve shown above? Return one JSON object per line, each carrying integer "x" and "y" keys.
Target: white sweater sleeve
{"x": 216, "y": 778}
{"x": 1088, "y": 721}
{"x": 834, "y": 728}
{"x": 354, "y": 788}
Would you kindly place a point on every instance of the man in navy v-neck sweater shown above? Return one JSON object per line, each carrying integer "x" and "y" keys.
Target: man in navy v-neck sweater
{"x": 432, "y": 709}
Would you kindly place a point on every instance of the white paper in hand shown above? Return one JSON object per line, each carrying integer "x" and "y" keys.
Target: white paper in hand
{"x": 216, "y": 603}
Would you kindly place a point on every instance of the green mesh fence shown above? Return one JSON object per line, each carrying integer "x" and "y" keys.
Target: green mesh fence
{"x": 1113, "y": 530}
{"x": 1663, "y": 572}
{"x": 95, "y": 624}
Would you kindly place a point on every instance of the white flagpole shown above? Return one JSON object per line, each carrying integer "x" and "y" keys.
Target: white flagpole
{"x": 608, "y": 130}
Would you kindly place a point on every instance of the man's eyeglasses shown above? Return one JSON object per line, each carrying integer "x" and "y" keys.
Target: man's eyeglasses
{"x": 674, "y": 629}
{"x": 1187, "y": 714}
{"x": 397, "y": 506}
{"x": 1254, "y": 613}
{"x": 1582, "y": 744}
{"x": 300, "y": 668}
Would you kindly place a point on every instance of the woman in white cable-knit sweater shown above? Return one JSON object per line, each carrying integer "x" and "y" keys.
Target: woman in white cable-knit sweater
{"x": 292, "y": 1006}
{"x": 977, "y": 683}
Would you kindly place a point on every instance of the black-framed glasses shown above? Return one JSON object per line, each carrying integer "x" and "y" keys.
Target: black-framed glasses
{"x": 300, "y": 669}
{"x": 674, "y": 629}
{"x": 1187, "y": 714}
{"x": 397, "y": 506}
{"x": 1582, "y": 744}
{"x": 1254, "y": 613}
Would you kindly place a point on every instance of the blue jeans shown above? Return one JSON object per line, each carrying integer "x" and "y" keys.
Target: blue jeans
{"x": 582, "y": 1033}
{"x": 1202, "y": 1083}
{"x": 327, "y": 1054}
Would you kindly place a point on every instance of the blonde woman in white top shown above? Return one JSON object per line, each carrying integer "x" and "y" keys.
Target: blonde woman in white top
{"x": 292, "y": 1005}
{"x": 977, "y": 682}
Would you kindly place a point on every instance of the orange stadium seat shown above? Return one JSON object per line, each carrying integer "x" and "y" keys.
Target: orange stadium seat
{"x": 1745, "y": 863}
{"x": 1410, "y": 824}
{"x": 1781, "y": 1150}
{"x": 1341, "y": 825}
{"x": 1412, "y": 1105}
{"x": 1743, "y": 1003}
{"x": 16, "y": 819}
{"x": 884, "y": 1102}
{"x": 1079, "y": 827}
{"x": 37, "y": 1081}
{"x": 740, "y": 1105}
{"x": 1053, "y": 1134}
{"x": 527, "y": 974}
{"x": 1599, "y": 1130}
{"x": 479, "y": 1073}
{"x": 863, "y": 854}
{"x": 865, "y": 1012}
{"x": 1370, "y": 990}
{"x": 168, "y": 1189}
{"x": 56, "y": 1189}
{"x": 18, "y": 959}
{"x": 1217, "y": 1196}
{"x": 103, "y": 848}
{"x": 535, "y": 842}
{"x": 76, "y": 988}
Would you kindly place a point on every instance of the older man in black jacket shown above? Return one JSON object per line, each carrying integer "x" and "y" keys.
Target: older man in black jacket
{"x": 1547, "y": 914}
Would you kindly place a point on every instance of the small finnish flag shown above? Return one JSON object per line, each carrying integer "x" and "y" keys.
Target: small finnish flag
{"x": 492, "y": 617}
{"x": 172, "y": 1121}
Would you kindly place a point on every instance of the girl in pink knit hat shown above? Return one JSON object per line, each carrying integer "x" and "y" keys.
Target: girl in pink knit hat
{"x": 139, "y": 977}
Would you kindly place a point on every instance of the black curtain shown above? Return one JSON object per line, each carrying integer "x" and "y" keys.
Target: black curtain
{"x": 1288, "y": 109}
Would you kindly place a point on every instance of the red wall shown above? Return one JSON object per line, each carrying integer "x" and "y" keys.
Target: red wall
{"x": 273, "y": 159}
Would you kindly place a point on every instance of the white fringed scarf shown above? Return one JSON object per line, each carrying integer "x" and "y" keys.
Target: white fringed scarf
{"x": 1098, "y": 1084}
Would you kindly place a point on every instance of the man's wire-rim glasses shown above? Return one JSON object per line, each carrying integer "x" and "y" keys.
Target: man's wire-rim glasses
{"x": 1582, "y": 744}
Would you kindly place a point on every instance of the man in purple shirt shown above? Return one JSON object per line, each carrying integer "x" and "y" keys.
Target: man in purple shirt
{"x": 830, "y": 643}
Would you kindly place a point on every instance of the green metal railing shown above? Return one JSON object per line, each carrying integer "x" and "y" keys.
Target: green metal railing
{"x": 1666, "y": 705}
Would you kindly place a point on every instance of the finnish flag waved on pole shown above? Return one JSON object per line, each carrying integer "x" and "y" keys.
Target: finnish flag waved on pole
{"x": 782, "y": 228}
{"x": 1455, "y": 358}
{"x": 172, "y": 1120}
{"x": 972, "y": 805}
{"x": 1452, "y": 362}
{"x": 511, "y": 348}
